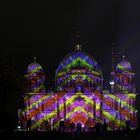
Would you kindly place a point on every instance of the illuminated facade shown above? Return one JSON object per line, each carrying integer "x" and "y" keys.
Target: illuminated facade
{"x": 79, "y": 96}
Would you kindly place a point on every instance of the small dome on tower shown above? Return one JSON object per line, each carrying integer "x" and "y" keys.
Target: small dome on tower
{"x": 124, "y": 65}
{"x": 34, "y": 66}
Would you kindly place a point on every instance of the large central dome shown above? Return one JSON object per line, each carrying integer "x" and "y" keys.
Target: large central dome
{"x": 78, "y": 59}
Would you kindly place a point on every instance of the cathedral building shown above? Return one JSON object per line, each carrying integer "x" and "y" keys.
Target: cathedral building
{"x": 79, "y": 96}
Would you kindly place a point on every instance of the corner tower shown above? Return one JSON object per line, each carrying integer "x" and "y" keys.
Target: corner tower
{"x": 35, "y": 77}
{"x": 35, "y": 97}
{"x": 123, "y": 94}
{"x": 123, "y": 77}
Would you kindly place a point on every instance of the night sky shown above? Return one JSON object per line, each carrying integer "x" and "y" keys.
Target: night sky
{"x": 46, "y": 29}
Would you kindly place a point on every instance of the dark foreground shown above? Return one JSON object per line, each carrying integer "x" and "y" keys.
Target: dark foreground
{"x": 109, "y": 135}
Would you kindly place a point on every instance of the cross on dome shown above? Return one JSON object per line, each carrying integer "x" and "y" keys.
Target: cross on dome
{"x": 78, "y": 47}
{"x": 35, "y": 59}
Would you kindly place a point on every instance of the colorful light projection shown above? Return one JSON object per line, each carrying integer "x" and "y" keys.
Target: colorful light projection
{"x": 78, "y": 66}
{"x": 123, "y": 77}
{"x": 80, "y": 108}
{"x": 119, "y": 108}
{"x": 78, "y": 59}
{"x": 36, "y": 90}
{"x": 124, "y": 66}
{"x": 81, "y": 74}
{"x": 36, "y": 78}
{"x": 79, "y": 97}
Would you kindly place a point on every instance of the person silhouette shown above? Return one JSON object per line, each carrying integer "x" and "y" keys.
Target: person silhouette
{"x": 104, "y": 126}
{"x": 29, "y": 124}
{"x": 72, "y": 126}
{"x": 127, "y": 122}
